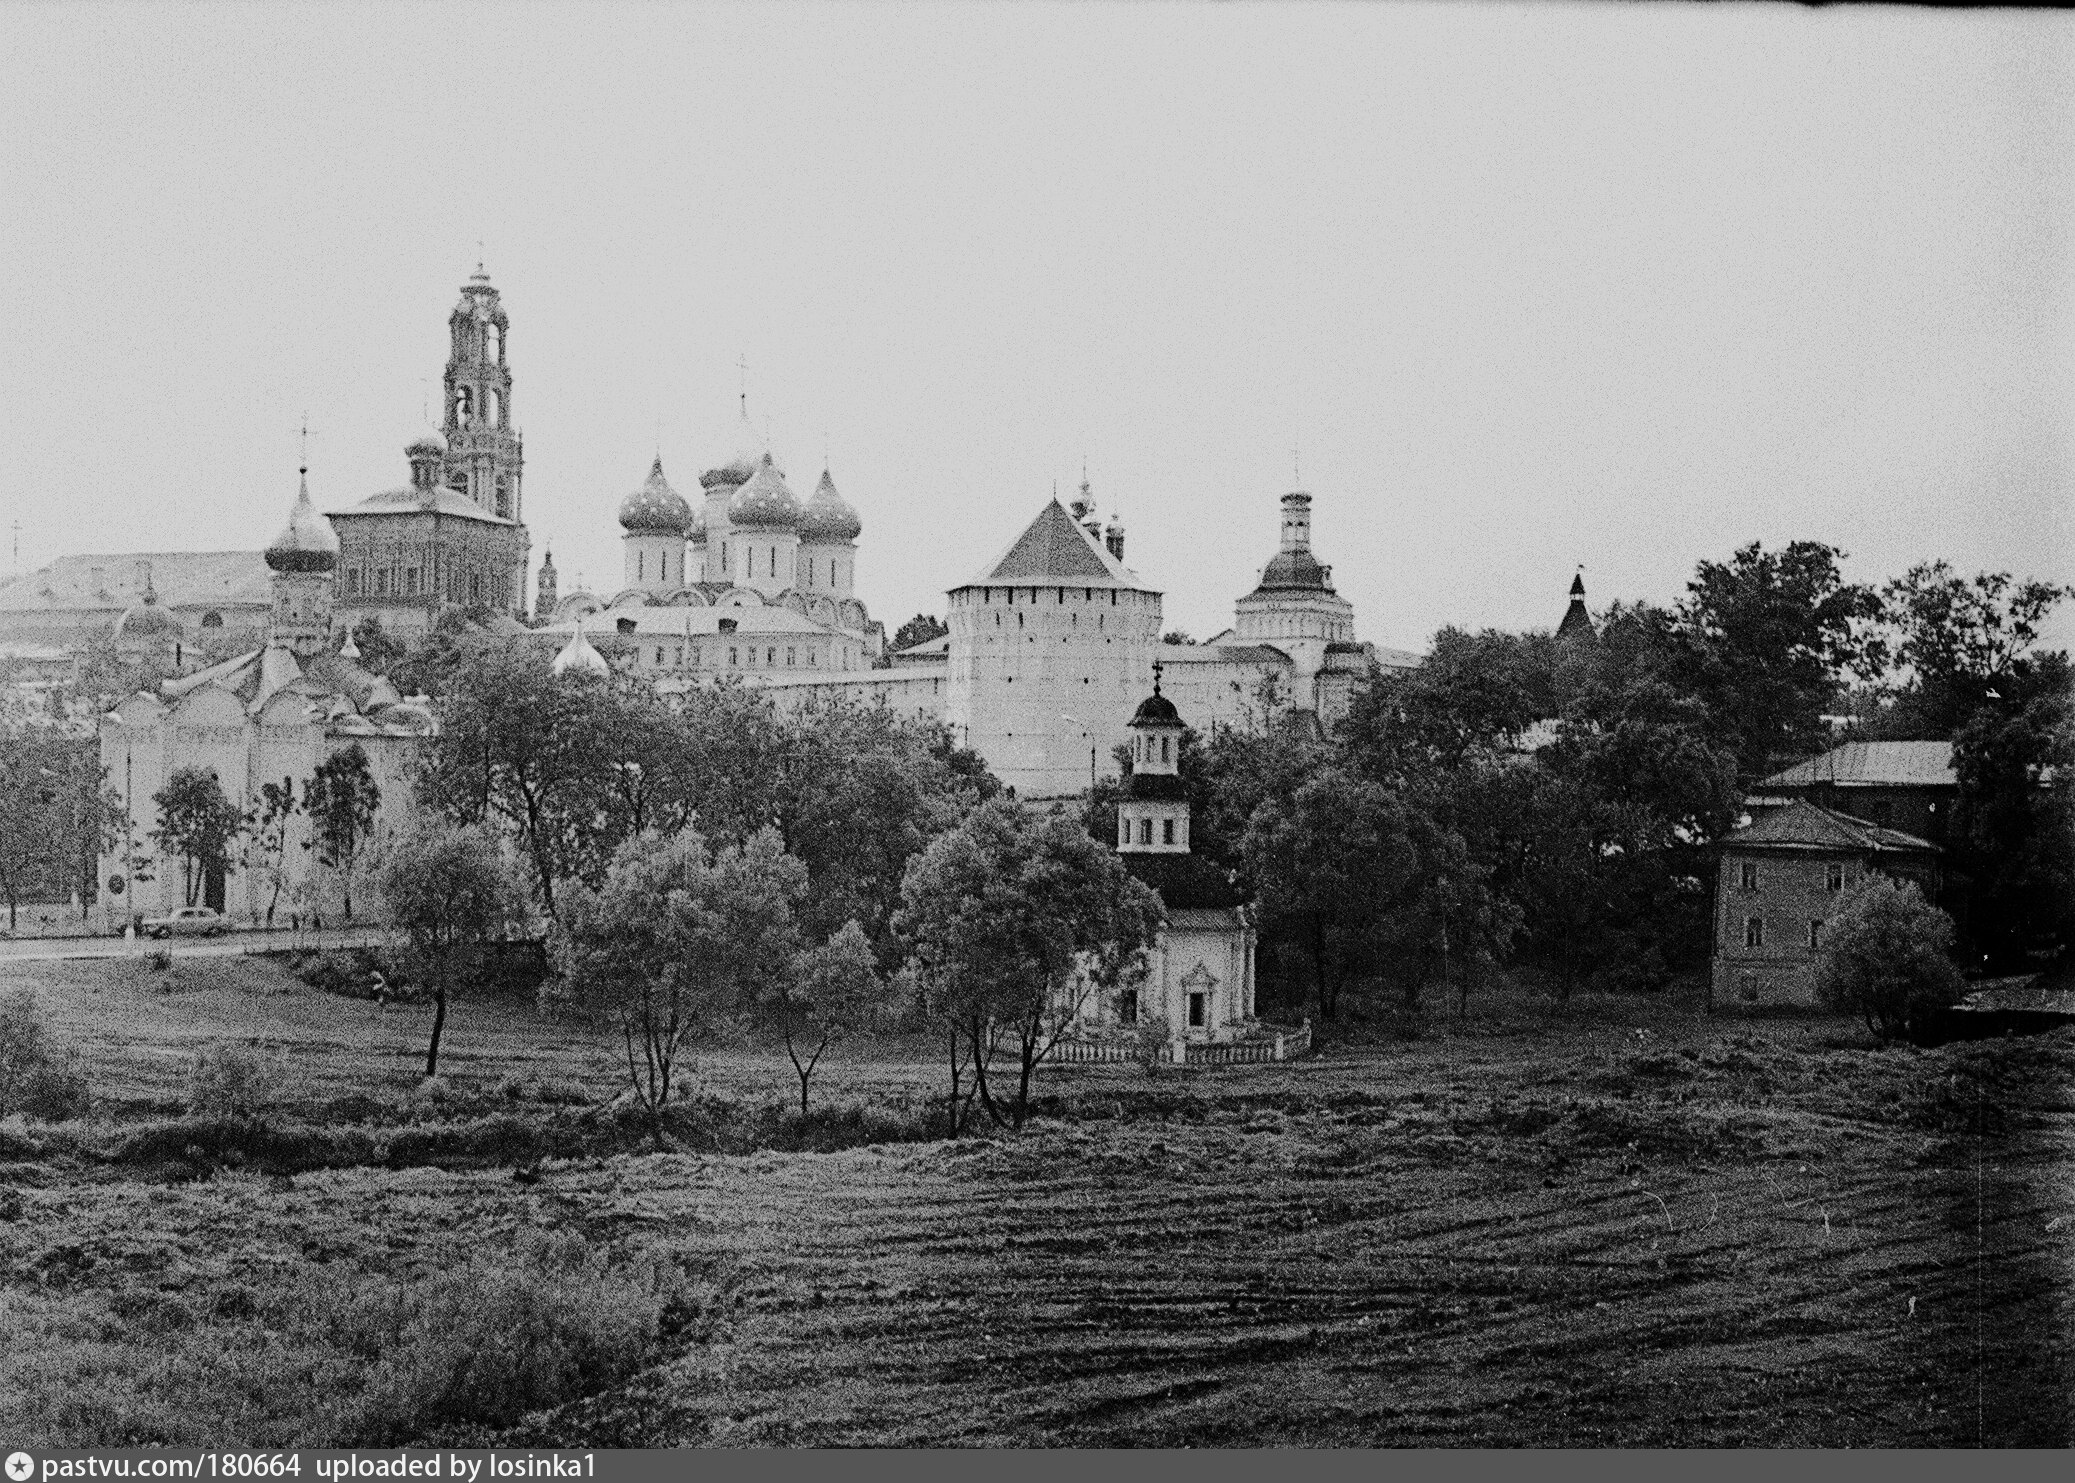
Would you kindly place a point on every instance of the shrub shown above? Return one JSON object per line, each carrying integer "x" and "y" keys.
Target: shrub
{"x": 1883, "y": 957}
{"x": 485, "y": 1345}
{"x": 33, "y": 1080}
{"x": 229, "y": 1080}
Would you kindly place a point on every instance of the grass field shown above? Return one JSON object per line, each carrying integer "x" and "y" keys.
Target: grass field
{"x": 1626, "y": 1223}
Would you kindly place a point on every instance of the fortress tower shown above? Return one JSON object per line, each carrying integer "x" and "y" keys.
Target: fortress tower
{"x": 1050, "y": 646}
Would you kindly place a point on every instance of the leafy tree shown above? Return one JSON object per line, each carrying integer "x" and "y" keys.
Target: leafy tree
{"x": 266, "y": 830}
{"x": 2012, "y": 832}
{"x": 341, "y": 799}
{"x": 35, "y": 810}
{"x": 834, "y": 988}
{"x": 1331, "y": 865}
{"x": 1883, "y": 956}
{"x": 678, "y": 941}
{"x": 1770, "y": 637}
{"x": 1176, "y": 636}
{"x": 380, "y": 652}
{"x": 530, "y": 751}
{"x": 1011, "y": 919}
{"x": 450, "y": 894}
{"x": 919, "y": 629}
{"x": 862, "y": 791}
{"x": 197, "y": 823}
{"x": 1476, "y": 695}
{"x": 1961, "y": 642}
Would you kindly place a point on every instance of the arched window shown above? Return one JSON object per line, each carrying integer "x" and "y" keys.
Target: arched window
{"x": 212, "y": 620}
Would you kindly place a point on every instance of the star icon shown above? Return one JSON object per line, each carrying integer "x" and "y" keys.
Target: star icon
{"x": 20, "y": 1467}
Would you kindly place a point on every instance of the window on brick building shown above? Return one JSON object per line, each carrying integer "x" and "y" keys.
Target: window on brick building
{"x": 1834, "y": 877}
{"x": 1747, "y": 875}
{"x": 1127, "y": 1006}
{"x": 1747, "y": 987}
{"x": 1167, "y": 831}
{"x": 1815, "y": 932}
{"x": 1145, "y": 831}
{"x": 1754, "y": 932}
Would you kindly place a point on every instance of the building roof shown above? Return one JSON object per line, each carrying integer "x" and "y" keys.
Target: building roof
{"x": 1294, "y": 570}
{"x": 1184, "y": 881}
{"x": 663, "y": 622}
{"x": 1893, "y": 764}
{"x": 404, "y": 501}
{"x": 1802, "y": 825}
{"x": 181, "y": 579}
{"x": 337, "y": 688}
{"x": 1054, "y": 549}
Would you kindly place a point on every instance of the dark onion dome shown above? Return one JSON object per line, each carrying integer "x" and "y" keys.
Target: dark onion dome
{"x": 827, "y": 516}
{"x": 426, "y": 445}
{"x": 1185, "y": 882}
{"x": 1294, "y": 570}
{"x": 308, "y": 544}
{"x": 655, "y": 508}
{"x": 750, "y": 455}
{"x": 145, "y": 620}
{"x": 1156, "y": 710}
{"x": 764, "y": 500}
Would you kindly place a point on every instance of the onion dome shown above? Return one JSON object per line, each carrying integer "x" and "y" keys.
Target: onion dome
{"x": 655, "y": 508}
{"x": 579, "y": 656}
{"x": 308, "y": 544}
{"x": 1295, "y": 570}
{"x": 146, "y": 620}
{"x": 751, "y": 454}
{"x": 764, "y": 500}
{"x": 827, "y": 516}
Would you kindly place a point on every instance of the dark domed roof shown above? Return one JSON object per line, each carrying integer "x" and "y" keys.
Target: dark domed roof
{"x": 751, "y": 454}
{"x": 145, "y": 620}
{"x": 1295, "y": 569}
{"x": 655, "y": 508}
{"x": 827, "y": 516}
{"x": 1156, "y": 710}
{"x": 308, "y": 544}
{"x": 426, "y": 445}
{"x": 764, "y": 500}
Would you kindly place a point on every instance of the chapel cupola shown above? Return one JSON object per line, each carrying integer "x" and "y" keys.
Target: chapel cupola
{"x": 302, "y": 558}
{"x": 1153, "y": 817}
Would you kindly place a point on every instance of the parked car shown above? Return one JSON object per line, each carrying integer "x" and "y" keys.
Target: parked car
{"x": 187, "y": 921}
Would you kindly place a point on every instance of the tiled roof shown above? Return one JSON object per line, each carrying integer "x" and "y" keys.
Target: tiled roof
{"x": 1054, "y": 549}
{"x": 1874, "y": 764}
{"x": 1802, "y": 825}
{"x": 180, "y": 579}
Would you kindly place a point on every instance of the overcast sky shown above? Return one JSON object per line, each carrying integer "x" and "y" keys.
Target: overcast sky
{"x": 1626, "y": 286}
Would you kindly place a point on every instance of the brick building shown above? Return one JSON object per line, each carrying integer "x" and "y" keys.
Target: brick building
{"x": 1782, "y": 877}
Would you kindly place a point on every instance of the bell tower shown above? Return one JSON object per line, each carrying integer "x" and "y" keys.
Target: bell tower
{"x": 483, "y": 450}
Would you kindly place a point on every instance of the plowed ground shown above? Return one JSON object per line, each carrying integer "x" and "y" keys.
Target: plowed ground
{"x": 1688, "y": 1231}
